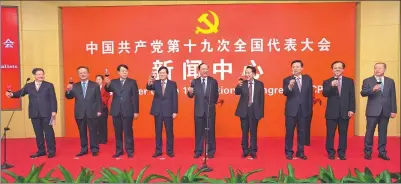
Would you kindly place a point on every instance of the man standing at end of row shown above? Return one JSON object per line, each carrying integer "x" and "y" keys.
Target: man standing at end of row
{"x": 206, "y": 92}
{"x": 382, "y": 105}
{"x": 124, "y": 109}
{"x": 250, "y": 109}
{"x": 298, "y": 89}
{"x": 340, "y": 93}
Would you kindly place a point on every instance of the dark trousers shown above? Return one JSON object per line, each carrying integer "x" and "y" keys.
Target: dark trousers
{"x": 83, "y": 125}
{"x": 168, "y": 125}
{"x": 331, "y": 126}
{"x": 124, "y": 124}
{"x": 102, "y": 127}
{"x": 307, "y": 131}
{"x": 290, "y": 123}
{"x": 200, "y": 126}
{"x": 44, "y": 131}
{"x": 382, "y": 123}
{"x": 249, "y": 124}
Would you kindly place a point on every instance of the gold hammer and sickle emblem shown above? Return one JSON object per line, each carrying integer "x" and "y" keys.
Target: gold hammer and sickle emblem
{"x": 213, "y": 28}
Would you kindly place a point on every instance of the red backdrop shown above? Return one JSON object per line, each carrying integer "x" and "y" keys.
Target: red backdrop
{"x": 10, "y": 61}
{"x": 145, "y": 36}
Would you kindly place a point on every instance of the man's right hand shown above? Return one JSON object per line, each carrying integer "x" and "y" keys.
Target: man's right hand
{"x": 240, "y": 82}
{"x": 292, "y": 84}
{"x": 9, "y": 94}
{"x": 190, "y": 90}
{"x": 107, "y": 80}
{"x": 151, "y": 80}
{"x": 334, "y": 83}
{"x": 377, "y": 87}
{"x": 69, "y": 87}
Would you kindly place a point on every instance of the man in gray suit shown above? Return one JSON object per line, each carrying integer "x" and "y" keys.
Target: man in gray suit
{"x": 88, "y": 108}
{"x": 382, "y": 105}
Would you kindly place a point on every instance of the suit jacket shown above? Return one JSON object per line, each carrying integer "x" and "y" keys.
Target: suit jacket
{"x": 165, "y": 105}
{"x": 258, "y": 99}
{"x": 105, "y": 97}
{"x": 378, "y": 101}
{"x": 339, "y": 105}
{"x": 41, "y": 103}
{"x": 90, "y": 105}
{"x": 202, "y": 98}
{"x": 125, "y": 98}
{"x": 296, "y": 99}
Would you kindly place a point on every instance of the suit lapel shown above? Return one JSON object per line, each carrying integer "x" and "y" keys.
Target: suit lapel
{"x": 246, "y": 87}
{"x": 167, "y": 87}
{"x": 207, "y": 86}
{"x": 386, "y": 84}
{"x": 303, "y": 84}
{"x": 80, "y": 89}
{"x": 121, "y": 85}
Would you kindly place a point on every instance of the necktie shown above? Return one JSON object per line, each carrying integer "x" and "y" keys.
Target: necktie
{"x": 122, "y": 82}
{"x": 299, "y": 84}
{"x": 381, "y": 86}
{"x": 84, "y": 88}
{"x": 163, "y": 88}
{"x": 339, "y": 86}
{"x": 250, "y": 94}
{"x": 203, "y": 85}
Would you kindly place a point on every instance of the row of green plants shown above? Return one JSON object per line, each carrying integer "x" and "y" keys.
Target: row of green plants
{"x": 194, "y": 175}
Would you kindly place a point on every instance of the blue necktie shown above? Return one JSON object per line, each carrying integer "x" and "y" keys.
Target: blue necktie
{"x": 84, "y": 88}
{"x": 382, "y": 86}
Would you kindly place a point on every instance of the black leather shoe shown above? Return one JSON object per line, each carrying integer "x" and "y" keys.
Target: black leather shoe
{"x": 117, "y": 155}
{"x": 245, "y": 154}
{"x": 302, "y": 157}
{"x": 342, "y": 158}
{"x": 197, "y": 155}
{"x": 331, "y": 157}
{"x": 51, "y": 155}
{"x": 81, "y": 154}
{"x": 368, "y": 157}
{"x": 156, "y": 155}
{"x": 38, "y": 155}
{"x": 94, "y": 154}
{"x": 289, "y": 157}
{"x": 210, "y": 156}
{"x": 384, "y": 157}
{"x": 130, "y": 155}
{"x": 170, "y": 155}
{"x": 253, "y": 155}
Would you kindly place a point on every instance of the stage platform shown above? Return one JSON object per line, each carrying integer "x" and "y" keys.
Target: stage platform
{"x": 270, "y": 157}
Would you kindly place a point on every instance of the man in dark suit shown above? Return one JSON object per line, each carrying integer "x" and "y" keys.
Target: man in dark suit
{"x": 87, "y": 110}
{"x": 382, "y": 105}
{"x": 340, "y": 93}
{"x": 205, "y": 90}
{"x": 124, "y": 109}
{"x": 164, "y": 109}
{"x": 298, "y": 89}
{"x": 42, "y": 111}
{"x": 250, "y": 109}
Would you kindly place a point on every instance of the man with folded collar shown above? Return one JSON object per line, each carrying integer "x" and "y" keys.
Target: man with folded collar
{"x": 250, "y": 109}
{"x": 381, "y": 106}
{"x": 340, "y": 93}
{"x": 164, "y": 109}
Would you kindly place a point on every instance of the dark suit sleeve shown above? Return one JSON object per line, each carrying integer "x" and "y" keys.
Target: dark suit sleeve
{"x": 286, "y": 90}
{"x": 328, "y": 90}
{"x": 135, "y": 94}
{"x": 216, "y": 90}
{"x": 366, "y": 89}
{"x": 98, "y": 99}
{"x": 150, "y": 87}
{"x": 311, "y": 95}
{"x": 53, "y": 99}
{"x": 108, "y": 88}
{"x": 20, "y": 93}
{"x": 352, "y": 97}
{"x": 393, "y": 98}
{"x": 262, "y": 98}
{"x": 238, "y": 90}
{"x": 175, "y": 99}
